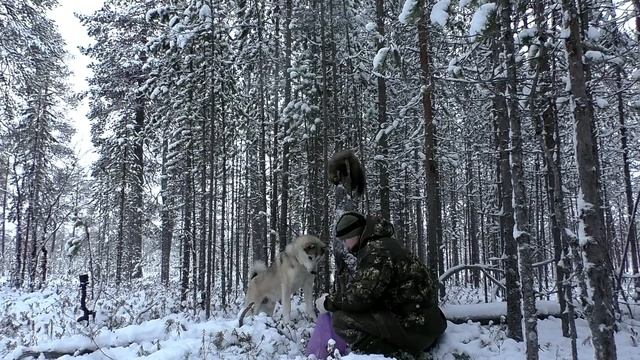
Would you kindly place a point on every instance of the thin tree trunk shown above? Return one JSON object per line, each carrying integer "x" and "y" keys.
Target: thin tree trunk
{"x": 262, "y": 142}
{"x": 213, "y": 222}
{"x": 273, "y": 222}
{"x": 212, "y": 191}
{"x": 454, "y": 239}
{"x": 167, "y": 219}
{"x": 627, "y": 181}
{"x": 434, "y": 218}
{"x": 420, "y": 240}
{"x": 135, "y": 256}
{"x": 237, "y": 176}
{"x": 512, "y": 277}
{"x": 202, "y": 222}
{"x": 245, "y": 217}
{"x": 473, "y": 223}
{"x": 382, "y": 121}
{"x": 194, "y": 219}
{"x": 43, "y": 278}
{"x": 17, "y": 279}
{"x": 4, "y": 188}
{"x": 223, "y": 201}
{"x": 545, "y": 121}
{"x": 284, "y": 208}
{"x": 187, "y": 240}
{"x": 322, "y": 160}
{"x": 120, "y": 240}
{"x": 598, "y": 302}
{"x": 521, "y": 232}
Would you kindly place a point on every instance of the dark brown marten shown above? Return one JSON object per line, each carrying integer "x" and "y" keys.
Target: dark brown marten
{"x": 345, "y": 168}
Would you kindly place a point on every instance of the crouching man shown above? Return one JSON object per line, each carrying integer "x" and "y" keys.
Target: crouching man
{"x": 390, "y": 306}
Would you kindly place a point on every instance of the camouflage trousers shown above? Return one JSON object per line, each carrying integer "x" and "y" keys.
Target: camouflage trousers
{"x": 379, "y": 333}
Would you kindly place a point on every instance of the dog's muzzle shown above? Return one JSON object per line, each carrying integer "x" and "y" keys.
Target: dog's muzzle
{"x": 313, "y": 272}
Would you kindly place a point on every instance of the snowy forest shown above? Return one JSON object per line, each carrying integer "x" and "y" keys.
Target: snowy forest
{"x": 500, "y": 137}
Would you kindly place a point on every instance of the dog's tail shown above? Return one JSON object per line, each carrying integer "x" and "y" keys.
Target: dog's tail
{"x": 244, "y": 313}
{"x": 257, "y": 268}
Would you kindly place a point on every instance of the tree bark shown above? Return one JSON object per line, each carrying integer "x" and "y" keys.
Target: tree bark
{"x": 202, "y": 222}
{"x": 4, "y": 188}
{"x": 284, "y": 208}
{"x": 262, "y": 200}
{"x": 627, "y": 181}
{"x": 273, "y": 222}
{"x": 17, "y": 279}
{"x": 135, "y": 256}
{"x": 512, "y": 278}
{"x": 223, "y": 201}
{"x": 383, "y": 164}
{"x": 166, "y": 218}
{"x": 473, "y": 223}
{"x": 120, "y": 241}
{"x": 434, "y": 218}
{"x": 187, "y": 240}
{"x": 420, "y": 240}
{"x": 521, "y": 232}
{"x": 598, "y": 300}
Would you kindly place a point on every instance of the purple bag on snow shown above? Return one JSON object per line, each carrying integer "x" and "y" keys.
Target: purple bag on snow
{"x": 321, "y": 334}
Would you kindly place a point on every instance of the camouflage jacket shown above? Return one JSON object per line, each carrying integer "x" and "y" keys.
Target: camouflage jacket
{"x": 387, "y": 278}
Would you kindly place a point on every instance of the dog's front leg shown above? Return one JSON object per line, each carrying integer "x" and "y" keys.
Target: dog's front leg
{"x": 286, "y": 301}
{"x": 308, "y": 299}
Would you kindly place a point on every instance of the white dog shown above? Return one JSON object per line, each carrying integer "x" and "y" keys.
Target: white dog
{"x": 293, "y": 269}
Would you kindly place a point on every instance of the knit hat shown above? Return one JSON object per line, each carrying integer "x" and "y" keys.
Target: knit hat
{"x": 349, "y": 225}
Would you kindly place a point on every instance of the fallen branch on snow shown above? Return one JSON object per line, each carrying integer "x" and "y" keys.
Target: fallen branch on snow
{"x": 495, "y": 311}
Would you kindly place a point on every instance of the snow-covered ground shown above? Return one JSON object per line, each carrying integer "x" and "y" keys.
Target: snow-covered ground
{"x": 147, "y": 323}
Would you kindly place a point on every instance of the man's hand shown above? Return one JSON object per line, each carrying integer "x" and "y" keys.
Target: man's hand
{"x": 320, "y": 303}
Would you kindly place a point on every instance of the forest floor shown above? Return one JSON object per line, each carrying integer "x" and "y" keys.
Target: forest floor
{"x": 145, "y": 322}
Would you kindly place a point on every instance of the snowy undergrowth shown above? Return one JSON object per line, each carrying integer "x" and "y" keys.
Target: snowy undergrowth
{"x": 146, "y": 322}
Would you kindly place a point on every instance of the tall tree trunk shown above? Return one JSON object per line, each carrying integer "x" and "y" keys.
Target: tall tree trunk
{"x": 521, "y": 232}
{"x": 382, "y": 121}
{"x": 223, "y": 201}
{"x": 434, "y": 218}
{"x": 17, "y": 279}
{"x": 212, "y": 191}
{"x": 237, "y": 177}
{"x": 245, "y": 221}
{"x": 454, "y": 239}
{"x": 26, "y": 260}
{"x": 34, "y": 192}
{"x": 473, "y": 222}
{"x": 420, "y": 240}
{"x": 202, "y": 222}
{"x": 211, "y": 204}
{"x": 627, "y": 181}
{"x": 273, "y": 222}
{"x": 322, "y": 152}
{"x": 284, "y": 208}
{"x": 4, "y": 188}
{"x": 598, "y": 302}
{"x": 166, "y": 218}
{"x": 262, "y": 141}
{"x": 512, "y": 278}
{"x": 213, "y": 226}
{"x": 187, "y": 239}
{"x": 545, "y": 121}
{"x": 135, "y": 256}
{"x": 43, "y": 278}
{"x": 120, "y": 241}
